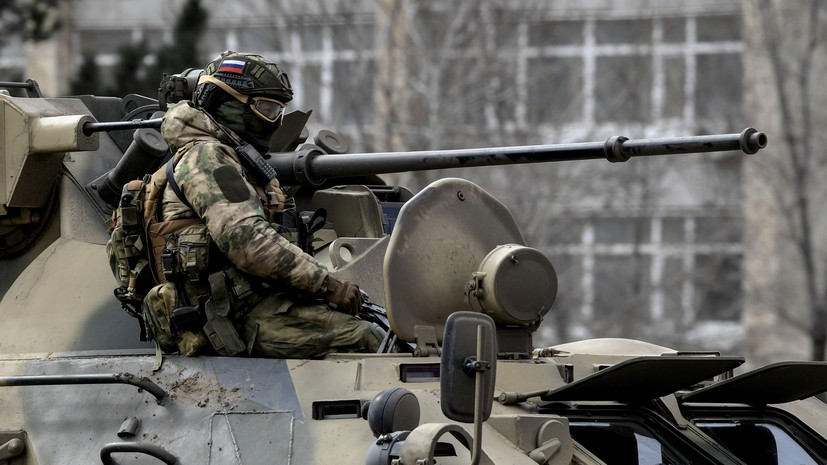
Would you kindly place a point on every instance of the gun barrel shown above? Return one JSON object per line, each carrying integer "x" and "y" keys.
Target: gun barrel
{"x": 15, "y": 85}
{"x": 313, "y": 166}
{"x": 90, "y": 128}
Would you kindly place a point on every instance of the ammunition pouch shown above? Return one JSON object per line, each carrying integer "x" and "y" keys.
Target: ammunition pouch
{"x": 181, "y": 250}
{"x": 219, "y": 329}
{"x": 179, "y": 327}
{"x": 207, "y": 301}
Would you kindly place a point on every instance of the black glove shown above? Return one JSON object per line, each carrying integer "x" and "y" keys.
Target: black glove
{"x": 345, "y": 295}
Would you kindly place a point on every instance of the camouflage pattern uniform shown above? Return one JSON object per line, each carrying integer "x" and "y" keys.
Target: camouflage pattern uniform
{"x": 224, "y": 195}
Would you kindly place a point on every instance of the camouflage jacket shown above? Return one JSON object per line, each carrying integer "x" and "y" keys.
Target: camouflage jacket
{"x": 215, "y": 183}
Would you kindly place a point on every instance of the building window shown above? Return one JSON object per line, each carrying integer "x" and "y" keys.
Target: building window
{"x": 623, "y": 89}
{"x": 623, "y": 32}
{"x": 350, "y": 37}
{"x": 555, "y": 90}
{"x": 674, "y": 85}
{"x": 717, "y": 286}
{"x": 353, "y": 99}
{"x": 545, "y": 33}
{"x": 647, "y": 269}
{"x": 631, "y": 71}
{"x": 719, "y": 28}
{"x": 719, "y": 89}
{"x": 622, "y": 286}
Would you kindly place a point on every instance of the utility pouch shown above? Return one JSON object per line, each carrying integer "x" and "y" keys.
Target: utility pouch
{"x": 194, "y": 252}
{"x": 166, "y": 238}
{"x": 219, "y": 329}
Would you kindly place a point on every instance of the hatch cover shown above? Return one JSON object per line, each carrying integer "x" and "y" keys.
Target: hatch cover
{"x": 644, "y": 378}
{"x": 441, "y": 236}
{"x": 772, "y": 384}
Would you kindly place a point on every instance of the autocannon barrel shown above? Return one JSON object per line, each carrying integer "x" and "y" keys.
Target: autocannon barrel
{"x": 90, "y": 128}
{"x": 311, "y": 166}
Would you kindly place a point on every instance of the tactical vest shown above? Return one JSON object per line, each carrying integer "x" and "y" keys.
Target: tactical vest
{"x": 137, "y": 240}
{"x": 169, "y": 270}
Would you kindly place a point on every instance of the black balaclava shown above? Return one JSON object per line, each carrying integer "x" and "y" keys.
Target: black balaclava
{"x": 239, "y": 118}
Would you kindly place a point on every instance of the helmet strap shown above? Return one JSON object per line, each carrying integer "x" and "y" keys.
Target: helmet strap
{"x": 225, "y": 87}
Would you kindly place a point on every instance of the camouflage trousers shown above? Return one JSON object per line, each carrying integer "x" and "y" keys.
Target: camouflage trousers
{"x": 279, "y": 327}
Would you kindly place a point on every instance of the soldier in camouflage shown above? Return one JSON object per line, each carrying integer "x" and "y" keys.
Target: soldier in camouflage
{"x": 279, "y": 294}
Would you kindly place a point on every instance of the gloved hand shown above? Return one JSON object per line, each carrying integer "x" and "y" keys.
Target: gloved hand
{"x": 345, "y": 295}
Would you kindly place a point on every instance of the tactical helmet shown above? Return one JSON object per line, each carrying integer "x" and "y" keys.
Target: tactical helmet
{"x": 250, "y": 78}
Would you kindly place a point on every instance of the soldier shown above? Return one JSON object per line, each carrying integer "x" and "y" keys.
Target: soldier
{"x": 222, "y": 228}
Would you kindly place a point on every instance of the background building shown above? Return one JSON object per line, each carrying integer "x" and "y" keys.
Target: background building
{"x": 662, "y": 249}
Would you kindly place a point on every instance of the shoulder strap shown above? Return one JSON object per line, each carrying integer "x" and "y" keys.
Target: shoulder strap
{"x": 174, "y": 185}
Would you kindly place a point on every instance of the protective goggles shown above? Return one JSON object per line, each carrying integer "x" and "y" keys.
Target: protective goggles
{"x": 268, "y": 109}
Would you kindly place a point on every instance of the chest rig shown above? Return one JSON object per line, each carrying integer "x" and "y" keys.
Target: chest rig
{"x": 183, "y": 251}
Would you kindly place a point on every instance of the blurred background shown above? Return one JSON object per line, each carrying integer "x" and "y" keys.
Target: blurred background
{"x": 720, "y": 252}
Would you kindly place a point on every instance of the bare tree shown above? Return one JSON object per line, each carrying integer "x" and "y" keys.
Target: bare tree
{"x": 34, "y": 20}
{"x": 32, "y": 23}
{"x": 789, "y": 41}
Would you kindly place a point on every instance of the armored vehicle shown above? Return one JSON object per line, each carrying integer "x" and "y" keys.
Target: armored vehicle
{"x": 458, "y": 379}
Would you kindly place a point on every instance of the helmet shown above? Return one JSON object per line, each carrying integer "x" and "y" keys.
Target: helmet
{"x": 249, "y": 78}
{"x": 245, "y": 93}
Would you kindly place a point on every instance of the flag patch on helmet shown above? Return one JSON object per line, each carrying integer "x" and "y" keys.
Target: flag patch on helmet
{"x": 231, "y": 66}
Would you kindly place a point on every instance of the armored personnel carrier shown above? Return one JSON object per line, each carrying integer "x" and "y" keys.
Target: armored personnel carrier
{"x": 458, "y": 379}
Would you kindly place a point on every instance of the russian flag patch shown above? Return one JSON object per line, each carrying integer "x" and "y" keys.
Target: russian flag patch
{"x": 231, "y": 66}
